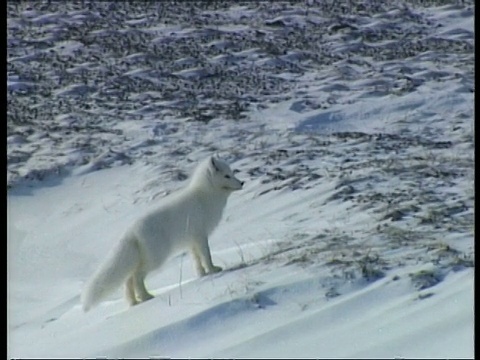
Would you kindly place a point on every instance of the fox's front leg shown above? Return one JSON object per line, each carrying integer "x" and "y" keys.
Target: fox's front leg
{"x": 198, "y": 263}
{"x": 130, "y": 291}
{"x": 203, "y": 258}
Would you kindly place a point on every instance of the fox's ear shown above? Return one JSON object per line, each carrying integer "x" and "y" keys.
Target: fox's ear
{"x": 214, "y": 164}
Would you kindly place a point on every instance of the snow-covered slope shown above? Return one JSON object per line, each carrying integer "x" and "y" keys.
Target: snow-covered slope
{"x": 352, "y": 128}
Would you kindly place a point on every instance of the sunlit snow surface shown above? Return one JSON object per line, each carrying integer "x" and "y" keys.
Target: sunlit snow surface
{"x": 351, "y": 127}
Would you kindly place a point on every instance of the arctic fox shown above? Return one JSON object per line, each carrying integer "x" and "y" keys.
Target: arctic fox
{"x": 182, "y": 222}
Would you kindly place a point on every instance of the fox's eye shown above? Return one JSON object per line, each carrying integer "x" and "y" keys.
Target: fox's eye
{"x": 227, "y": 176}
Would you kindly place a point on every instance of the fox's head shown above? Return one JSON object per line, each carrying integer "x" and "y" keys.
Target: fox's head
{"x": 221, "y": 176}
{"x": 214, "y": 174}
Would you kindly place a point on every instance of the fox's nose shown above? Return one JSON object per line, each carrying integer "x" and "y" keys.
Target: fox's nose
{"x": 242, "y": 182}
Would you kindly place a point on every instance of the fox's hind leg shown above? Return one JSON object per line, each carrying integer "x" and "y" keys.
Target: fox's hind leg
{"x": 140, "y": 289}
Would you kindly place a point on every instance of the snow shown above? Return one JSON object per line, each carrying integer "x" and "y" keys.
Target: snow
{"x": 353, "y": 236}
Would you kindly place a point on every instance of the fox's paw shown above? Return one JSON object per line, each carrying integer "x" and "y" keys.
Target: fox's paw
{"x": 145, "y": 297}
{"x": 216, "y": 269}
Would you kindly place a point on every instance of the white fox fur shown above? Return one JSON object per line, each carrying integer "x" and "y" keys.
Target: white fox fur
{"x": 183, "y": 221}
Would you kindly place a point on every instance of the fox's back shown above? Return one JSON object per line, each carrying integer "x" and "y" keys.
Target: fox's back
{"x": 180, "y": 218}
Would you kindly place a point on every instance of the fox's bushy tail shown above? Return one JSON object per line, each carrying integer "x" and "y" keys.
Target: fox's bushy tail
{"x": 112, "y": 273}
